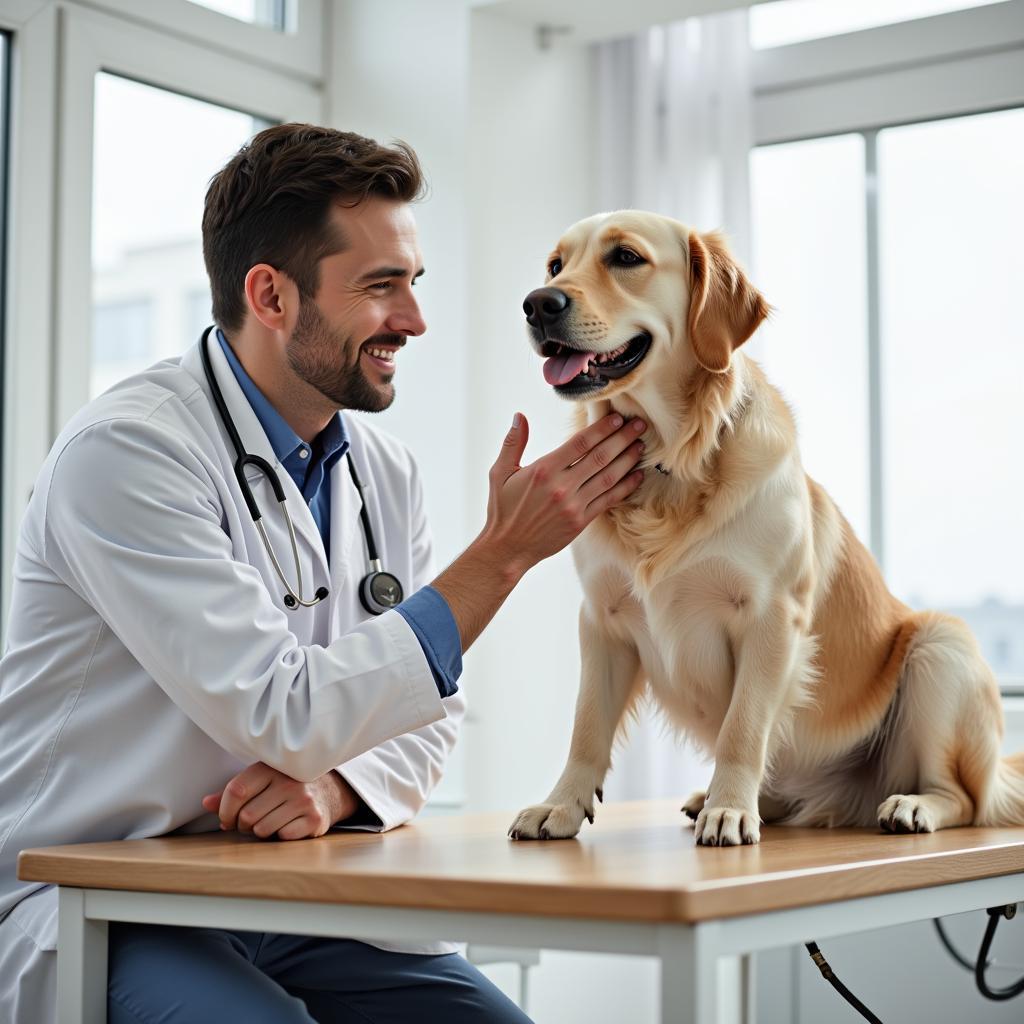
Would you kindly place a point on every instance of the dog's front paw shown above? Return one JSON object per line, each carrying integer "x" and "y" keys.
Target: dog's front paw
{"x": 694, "y": 804}
{"x": 550, "y": 821}
{"x": 905, "y": 814}
{"x": 726, "y": 826}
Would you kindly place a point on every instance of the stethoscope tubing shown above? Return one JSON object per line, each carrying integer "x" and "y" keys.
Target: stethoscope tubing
{"x": 369, "y": 594}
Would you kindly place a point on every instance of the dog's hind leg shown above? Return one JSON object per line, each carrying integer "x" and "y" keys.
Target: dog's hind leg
{"x": 945, "y": 742}
{"x": 609, "y": 683}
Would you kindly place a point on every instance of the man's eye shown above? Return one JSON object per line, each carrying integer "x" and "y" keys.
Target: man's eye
{"x": 624, "y": 257}
{"x": 555, "y": 268}
{"x": 382, "y": 285}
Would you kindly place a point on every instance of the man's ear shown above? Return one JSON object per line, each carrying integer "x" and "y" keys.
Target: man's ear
{"x": 725, "y": 308}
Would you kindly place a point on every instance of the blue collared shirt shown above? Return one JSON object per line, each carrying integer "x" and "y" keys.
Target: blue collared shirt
{"x": 309, "y": 466}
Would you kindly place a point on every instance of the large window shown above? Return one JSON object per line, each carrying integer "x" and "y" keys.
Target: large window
{"x": 271, "y": 13}
{"x": 920, "y": 417}
{"x": 154, "y": 154}
{"x": 951, "y": 214}
{"x": 809, "y": 259}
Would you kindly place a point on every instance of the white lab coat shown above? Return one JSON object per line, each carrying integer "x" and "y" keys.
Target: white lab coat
{"x": 150, "y": 657}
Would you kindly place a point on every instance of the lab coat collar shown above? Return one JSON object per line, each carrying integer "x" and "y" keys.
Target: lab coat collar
{"x": 254, "y": 438}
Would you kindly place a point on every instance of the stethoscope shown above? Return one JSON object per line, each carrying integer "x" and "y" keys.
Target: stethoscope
{"x": 379, "y": 591}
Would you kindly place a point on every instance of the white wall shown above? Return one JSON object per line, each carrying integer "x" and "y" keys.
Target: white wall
{"x": 398, "y": 70}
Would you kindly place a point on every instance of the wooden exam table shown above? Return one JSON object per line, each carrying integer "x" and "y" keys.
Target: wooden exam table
{"x": 633, "y": 883}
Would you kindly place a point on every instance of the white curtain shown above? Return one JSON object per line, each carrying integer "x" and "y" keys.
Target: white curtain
{"x": 674, "y": 136}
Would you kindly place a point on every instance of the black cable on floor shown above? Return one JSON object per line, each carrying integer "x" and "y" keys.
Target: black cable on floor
{"x": 966, "y": 964}
{"x": 826, "y": 973}
{"x": 994, "y": 913}
{"x": 978, "y": 967}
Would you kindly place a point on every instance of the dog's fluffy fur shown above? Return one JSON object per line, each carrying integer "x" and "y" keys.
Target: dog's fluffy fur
{"x": 732, "y": 588}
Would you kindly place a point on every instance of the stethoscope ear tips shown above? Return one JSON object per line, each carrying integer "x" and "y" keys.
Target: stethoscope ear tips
{"x": 320, "y": 595}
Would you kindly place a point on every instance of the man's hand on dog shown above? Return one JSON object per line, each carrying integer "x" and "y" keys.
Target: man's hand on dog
{"x": 538, "y": 509}
{"x": 264, "y": 802}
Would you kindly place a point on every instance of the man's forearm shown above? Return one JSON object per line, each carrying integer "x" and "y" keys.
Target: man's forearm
{"x": 476, "y": 584}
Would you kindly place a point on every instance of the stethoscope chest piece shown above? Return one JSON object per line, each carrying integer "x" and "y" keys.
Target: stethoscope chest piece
{"x": 380, "y": 591}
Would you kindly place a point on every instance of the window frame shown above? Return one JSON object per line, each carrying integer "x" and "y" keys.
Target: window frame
{"x": 297, "y": 49}
{"x": 28, "y": 315}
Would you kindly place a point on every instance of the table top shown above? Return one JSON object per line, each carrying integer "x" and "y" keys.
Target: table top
{"x": 638, "y": 863}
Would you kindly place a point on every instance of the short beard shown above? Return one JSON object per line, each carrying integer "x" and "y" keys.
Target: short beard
{"x": 314, "y": 351}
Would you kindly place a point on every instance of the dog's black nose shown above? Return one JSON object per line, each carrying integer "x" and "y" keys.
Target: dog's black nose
{"x": 545, "y": 305}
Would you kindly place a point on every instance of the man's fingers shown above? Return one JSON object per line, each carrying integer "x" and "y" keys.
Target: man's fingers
{"x": 622, "y": 490}
{"x": 610, "y": 476}
{"x": 277, "y": 819}
{"x": 512, "y": 448}
{"x": 584, "y": 441}
{"x": 256, "y": 809}
{"x": 211, "y": 802}
{"x": 300, "y": 828}
{"x": 603, "y": 455}
{"x": 240, "y": 790}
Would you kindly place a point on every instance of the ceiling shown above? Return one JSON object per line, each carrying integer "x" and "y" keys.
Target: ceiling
{"x": 592, "y": 20}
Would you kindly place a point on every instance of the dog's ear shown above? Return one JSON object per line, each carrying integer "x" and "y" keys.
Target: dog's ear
{"x": 725, "y": 308}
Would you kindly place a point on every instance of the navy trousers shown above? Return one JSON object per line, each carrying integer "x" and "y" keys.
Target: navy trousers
{"x": 164, "y": 975}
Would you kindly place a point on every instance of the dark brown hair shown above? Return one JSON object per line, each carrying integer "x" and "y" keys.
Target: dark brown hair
{"x": 271, "y": 203}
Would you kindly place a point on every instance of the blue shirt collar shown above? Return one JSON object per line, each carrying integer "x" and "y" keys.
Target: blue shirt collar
{"x": 285, "y": 442}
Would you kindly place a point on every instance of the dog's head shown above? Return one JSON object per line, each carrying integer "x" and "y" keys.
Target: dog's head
{"x": 634, "y": 300}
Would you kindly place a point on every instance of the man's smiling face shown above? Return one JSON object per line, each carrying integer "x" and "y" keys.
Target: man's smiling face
{"x": 345, "y": 341}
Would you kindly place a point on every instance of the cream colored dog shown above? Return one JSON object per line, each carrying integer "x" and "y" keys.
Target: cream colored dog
{"x": 731, "y": 586}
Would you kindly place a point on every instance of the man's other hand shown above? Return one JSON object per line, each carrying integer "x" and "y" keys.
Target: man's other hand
{"x": 265, "y": 802}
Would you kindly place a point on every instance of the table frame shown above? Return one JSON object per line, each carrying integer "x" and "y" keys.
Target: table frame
{"x": 706, "y": 967}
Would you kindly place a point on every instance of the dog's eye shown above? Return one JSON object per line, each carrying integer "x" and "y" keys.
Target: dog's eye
{"x": 624, "y": 257}
{"x": 555, "y": 268}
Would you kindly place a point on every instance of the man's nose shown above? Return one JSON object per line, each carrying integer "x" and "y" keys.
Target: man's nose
{"x": 408, "y": 321}
{"x": 545, "y": 306}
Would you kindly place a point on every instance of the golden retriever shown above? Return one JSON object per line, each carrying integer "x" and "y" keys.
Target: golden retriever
{"x": 729, "y": 584}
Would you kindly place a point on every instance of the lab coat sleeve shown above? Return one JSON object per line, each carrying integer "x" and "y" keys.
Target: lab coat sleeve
{"x": 395, "y": 778}
{"x": 133, "y": 524}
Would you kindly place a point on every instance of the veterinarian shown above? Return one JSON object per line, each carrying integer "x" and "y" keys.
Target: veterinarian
{"x": 176, "y": 653}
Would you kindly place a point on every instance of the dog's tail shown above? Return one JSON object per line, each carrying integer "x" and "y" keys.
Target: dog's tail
{"x": 1004, "y": 801}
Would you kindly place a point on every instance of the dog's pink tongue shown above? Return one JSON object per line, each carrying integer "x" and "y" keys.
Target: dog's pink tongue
{"x": 562, "y": 369}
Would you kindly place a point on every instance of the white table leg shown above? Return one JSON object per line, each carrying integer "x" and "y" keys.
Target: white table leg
{"x": 81, "y": 962}
{"x": 698, "y": 985}
{"x": 749, "y": 988}
{"x": 687, "y": 988}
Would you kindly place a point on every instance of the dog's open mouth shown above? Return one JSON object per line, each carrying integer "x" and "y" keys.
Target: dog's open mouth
{"x": 570, "y": 370}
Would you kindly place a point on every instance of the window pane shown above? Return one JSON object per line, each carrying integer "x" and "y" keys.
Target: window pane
{"x": 809, "y": 262}
{"x": 793, "y": 21}
{"x": 952, "y": 212}
{"x": 155, "y": 152}
{"x": 270, "y": 13}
